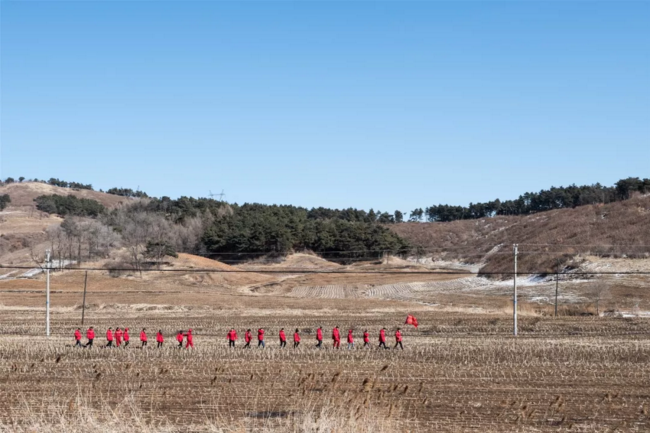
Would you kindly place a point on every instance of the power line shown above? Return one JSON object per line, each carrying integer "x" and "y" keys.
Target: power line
{"x": 587, "y": 246}
{"x": 338, "y": 272}
{"x": 424, "y": 251}
{"x": 371, "y": 258}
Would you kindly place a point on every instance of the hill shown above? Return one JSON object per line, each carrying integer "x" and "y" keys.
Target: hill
{"x": 22, "y": 226}
{"x": 547, "y": 239}
{"x": 23, "y": 194}
{"x": 544, "y": 237}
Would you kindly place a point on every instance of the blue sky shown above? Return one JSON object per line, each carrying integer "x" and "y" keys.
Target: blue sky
{"x": 389, "y": 105}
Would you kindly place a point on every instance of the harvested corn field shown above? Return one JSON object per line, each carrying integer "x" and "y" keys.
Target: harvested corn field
{"x": 458, "y": 372}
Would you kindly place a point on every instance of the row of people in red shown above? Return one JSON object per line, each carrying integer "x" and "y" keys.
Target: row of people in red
{"x": 122, "y": 336}
{"x": 336, "y": 338}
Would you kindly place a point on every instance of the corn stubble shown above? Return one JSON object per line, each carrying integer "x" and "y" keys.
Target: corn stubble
{"x": 458, "y": 373}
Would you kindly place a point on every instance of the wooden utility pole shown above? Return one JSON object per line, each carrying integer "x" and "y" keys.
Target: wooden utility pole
{"x": 47, "y": 293}
{"x": 83, "y": 305}
{"x": 557, "y": 282}
{"x": 514, "y": 297}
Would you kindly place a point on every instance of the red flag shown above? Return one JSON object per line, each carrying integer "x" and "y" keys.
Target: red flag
{"x": 411, "y": 320}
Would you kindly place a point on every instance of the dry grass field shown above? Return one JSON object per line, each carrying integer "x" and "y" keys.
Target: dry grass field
{"x": 458, "y": 372}
{"x": 461, "y": 370}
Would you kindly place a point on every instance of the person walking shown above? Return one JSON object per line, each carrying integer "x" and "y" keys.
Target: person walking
{"x": 319, "y": 337}
{"x": 77, "y": 337}
{"x": 336, "y": 337}
{"x": 366, "y": 339}
{"x": 350, "y": 339}
{"x": 109, "y": 337}
{"x": 247, "y": 338}
{"x": 143, "y": 338}
{"x": 180, "y": 338}
{"x": 126, "y": 337}
{"x": 90, "y": 335}
{"x": 398, "y": 339}
{"x": 260, "y": 338}
{"x": 159, "y": 339}
{"x": 232, "y": 336}
{"x": 190, "y": 339}
{"x": 283, "y": 339}
{"x": 382, "y": 338}
{"x": 296, "y": 339}
{"x": 118, "y": 337}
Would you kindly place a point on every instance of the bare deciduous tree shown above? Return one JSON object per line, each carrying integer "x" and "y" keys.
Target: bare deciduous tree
{"x": 598, "y": 292}
{"x": 78, "y": 239}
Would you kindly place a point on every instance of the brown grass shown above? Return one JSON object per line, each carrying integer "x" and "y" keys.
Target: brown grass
{"x": 23, "y": 194}
{"x": 620, "y": 223}
{"x": 459, "y": 372}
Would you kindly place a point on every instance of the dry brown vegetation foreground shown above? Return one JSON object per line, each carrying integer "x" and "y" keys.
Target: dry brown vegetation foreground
{"x": 620, "y": 223}
{"x": 458, "y": 372}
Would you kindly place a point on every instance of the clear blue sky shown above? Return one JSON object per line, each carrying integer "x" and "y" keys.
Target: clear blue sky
{"x": 390, "y": 105}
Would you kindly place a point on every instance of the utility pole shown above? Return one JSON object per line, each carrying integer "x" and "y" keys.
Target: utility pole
{"x": 557, "y": 282}
{"x": 514, "y": 299}
{"x": 47, "y": 293}
{"x": 83, "y": 305}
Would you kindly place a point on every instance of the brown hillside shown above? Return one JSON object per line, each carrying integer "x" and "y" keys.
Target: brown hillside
{"x": 545, "y": 237}
{"x": 23, "y": 194}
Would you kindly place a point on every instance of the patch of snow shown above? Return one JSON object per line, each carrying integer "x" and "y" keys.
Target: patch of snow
{"x": 638, "y": 314}
{"x": 7, "y": 275}
{"x": 446, "y": 264}
{"x": 56, "y": 264}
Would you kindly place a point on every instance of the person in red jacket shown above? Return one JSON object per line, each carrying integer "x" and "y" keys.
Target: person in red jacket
{"x": 159, "y": 339}
{"x": 190, "y": 339}
{"x": 260, "y": 338}
{"x": 77, "y": 337}
{"x": 336, "y": 337}
{"x": 382, "y": 338}
{"x": 180, "y": 338}
{"x": 232, "y": 337}
{"x": 143, "y": 337}
{"x": 118, "y": 337}
{"x": 90, "y": 335}
{"x": 283, "y": 338}
{"x": 350, "y": 339}
{"x": 366, "y": 339}
{"x": 296, "y": 339}
{"x": 398, "y": 339}
{"x": 109, "y": 337}
{"x": 126, "y": 337}
{"x": 247, "y": 338}
{"x": 319, "y": 337}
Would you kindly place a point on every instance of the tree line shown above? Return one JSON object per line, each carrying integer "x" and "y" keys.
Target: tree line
{"x": 69, "y": 205}
{"x": 151, "y": 228}
{"x": 124, "y": 192}
{"x": 148, "y": 230}
{"x": 257, "y": 228}
{"x": 127, "y": 192}
{"x": 531, "y": 202}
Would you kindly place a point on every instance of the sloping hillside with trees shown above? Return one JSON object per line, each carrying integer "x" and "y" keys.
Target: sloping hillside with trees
{"x": 534, "y": 202}
{"x": 24, "y": 193}
{"x": 147, "y": 229}
{"x": 548, "y": 239}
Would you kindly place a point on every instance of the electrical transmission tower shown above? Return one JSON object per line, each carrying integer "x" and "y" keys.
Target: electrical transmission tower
{"x": 220, "y": 195}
